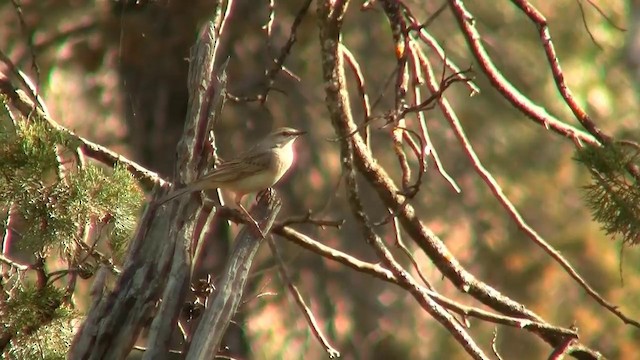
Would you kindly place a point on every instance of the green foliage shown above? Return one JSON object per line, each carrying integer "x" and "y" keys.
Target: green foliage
{"x": 52, "y": 199}
{"x": 28, "y": 149}
{"x": 115, "y": 197}
{"x": 57, "y": 209}
{"x": 42, "y": 329}
{"x": 613, "y": 195}
{"x": 30, "y": 307}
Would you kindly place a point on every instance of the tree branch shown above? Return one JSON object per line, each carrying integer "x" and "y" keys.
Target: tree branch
{"x": 20, "y": 101}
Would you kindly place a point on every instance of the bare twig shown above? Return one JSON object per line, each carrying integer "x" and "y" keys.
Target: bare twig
{"x": 508, "y": 91}
{"x": 26, "y": 83}
{"x": 278, "y": 63}
{"x": 545, "y": 38}
{"x": 28, "y": 34}
{"x": 558, "y": 76}
{"x": 309, "y": 219}
{"x": 403, "y": 160}
{"x": 7, "y": 237}
{"x": 586, "y": 25}
{"x": 426, "y": 37}
{"x": 306, "y": 311}
{"x": 83, "y": 27}
{"x": 401, "y": 245}
{"x": 495, "y": 188}
{"x": 381, "y": 273}
{"x": 357, "y": 72}
{"x": 605, "y": 16}
{"x": 494, "y": 345}
{"x": 268, "y": 26}
{"x": 418, "y": 62}
{"x": 14, "y": 264}
{"x": 415, "y": 26}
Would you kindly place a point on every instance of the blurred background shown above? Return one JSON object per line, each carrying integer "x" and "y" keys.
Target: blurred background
{"x": 115, "y": 72}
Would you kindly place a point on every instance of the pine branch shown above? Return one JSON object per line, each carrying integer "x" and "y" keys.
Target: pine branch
{"x": 613, "y": 196}
{"x": 21, "y": 101}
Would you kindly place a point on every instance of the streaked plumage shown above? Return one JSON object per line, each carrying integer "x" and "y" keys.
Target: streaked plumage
{"x": 255, "y": 170}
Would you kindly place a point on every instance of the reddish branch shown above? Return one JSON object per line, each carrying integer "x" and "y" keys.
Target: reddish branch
{"x": 459, "y": 333}
{"x": 375, "y": 175}
{"x": 331, "y": 17}
{"x": 506, "y": 89}
{"x": 380, "y": 272}
{"x": 473, "y": 39}
{"x": 511, "y": 210}
{"x": 558, "y": 76}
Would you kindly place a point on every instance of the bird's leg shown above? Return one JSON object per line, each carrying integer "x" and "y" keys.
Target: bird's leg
{"x": 252, "y": 221}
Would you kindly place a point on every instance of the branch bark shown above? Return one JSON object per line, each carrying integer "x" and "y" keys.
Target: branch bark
{"x": 161, "y": 248}
{"x": 341, "y": 117}
{"x": 227, "y": 298}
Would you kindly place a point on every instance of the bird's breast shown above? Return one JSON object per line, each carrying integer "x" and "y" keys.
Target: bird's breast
{"x": 283, "y": 160}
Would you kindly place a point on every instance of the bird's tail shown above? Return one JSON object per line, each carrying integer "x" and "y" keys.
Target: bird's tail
{"x": 194, "y": 186}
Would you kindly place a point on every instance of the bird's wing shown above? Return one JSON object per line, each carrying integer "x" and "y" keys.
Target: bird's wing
{"x": 243, "y": 167}
{"x": 247, "y": 165}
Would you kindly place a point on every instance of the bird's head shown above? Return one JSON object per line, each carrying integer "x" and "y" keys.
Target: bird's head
{"x": 284, "y": 136}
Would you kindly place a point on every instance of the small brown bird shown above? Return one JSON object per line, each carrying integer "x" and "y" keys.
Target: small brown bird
{"x": 255, "y": 170}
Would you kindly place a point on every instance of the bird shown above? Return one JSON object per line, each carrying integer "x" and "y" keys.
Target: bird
{"x": 261, "y": 167}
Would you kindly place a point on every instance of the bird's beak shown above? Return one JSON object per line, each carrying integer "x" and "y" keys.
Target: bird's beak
{"x": 300, "y": 133}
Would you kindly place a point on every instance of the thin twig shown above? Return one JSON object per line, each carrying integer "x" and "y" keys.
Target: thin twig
{"x": 509, "y": 92}
{"x": 309, "y": 219}
{"x": 28, "y": 34}
{"x": 586, "y": 25}
{"x": 357, "y": 72}
{"x": 268, "y": 26}
{"x": 605, "y": 16}
{"x": 14, "y": 264}
{"x": 401, "y": 245}
{"x": 494, "y": 345}
{"x": 558, "y": 76}
{"x": 58, "y": 36}
{"x": 426, "y": 302}
{"x": 306, "y": 311}
{"x": 511, "y": 210}
{"x": 418, "y": 60}
{"x": 278, "y": 62}
{"x": 415, "y": 26}
{"x": 26, "y": 83}
{"x": 426, "y": 37}
{"x": 7, "y": 237}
